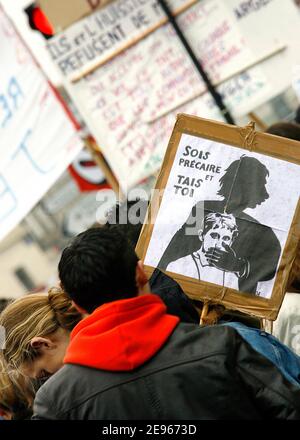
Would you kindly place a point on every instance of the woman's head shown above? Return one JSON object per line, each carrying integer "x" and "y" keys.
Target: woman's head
{"x": 7, "y": 395}
{"x": 37, "y": 331}
{"x": 16, "y": 395}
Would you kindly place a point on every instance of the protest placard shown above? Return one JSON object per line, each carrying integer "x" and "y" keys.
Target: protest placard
{"x": 224, "y": 219}
{"x": 106, "y": 33}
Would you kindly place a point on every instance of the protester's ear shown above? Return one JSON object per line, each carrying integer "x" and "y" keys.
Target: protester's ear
{"x": 140, "y": 275}
{"x": 42, "y": 344}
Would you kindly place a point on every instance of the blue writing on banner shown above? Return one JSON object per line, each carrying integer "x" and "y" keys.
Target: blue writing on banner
{"x": 8, "y": 201}
{"x": 24, "y": 147}
{"x": 10, "y": 101}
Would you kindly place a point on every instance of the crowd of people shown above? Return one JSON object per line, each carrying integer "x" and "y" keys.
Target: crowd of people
{"x": 110, "y": 344}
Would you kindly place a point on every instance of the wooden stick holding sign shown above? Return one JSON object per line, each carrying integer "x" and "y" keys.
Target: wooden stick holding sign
{"x": 258, "y": 121}
{"x": 98, "y": 157}
{"x": 224, "y": 227}
{"x": 204, "y": 313}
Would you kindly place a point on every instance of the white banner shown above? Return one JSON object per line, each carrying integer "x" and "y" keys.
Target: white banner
{"x": 37, "y": 138}
{"x": 130, "y": 104}
{"x": 100, "y": 35}
{"x": 210, "y": 27}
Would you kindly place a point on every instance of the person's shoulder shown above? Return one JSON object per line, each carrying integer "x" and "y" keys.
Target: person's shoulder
{"x": 173, "y": 296}
{"x": 160, "y": 279}
{"x": 253, "y": 226}
{"x": 207, "y": 340}
{"x": 61, "y": 384}
{"x": 66, "y": 376}
{"x": 66, "y": 390}
{"x": 49, "y": 402}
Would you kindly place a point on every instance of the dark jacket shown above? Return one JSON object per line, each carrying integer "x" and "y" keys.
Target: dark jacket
{"x": 173, "y": 296}
{"x": 133, "y": 361}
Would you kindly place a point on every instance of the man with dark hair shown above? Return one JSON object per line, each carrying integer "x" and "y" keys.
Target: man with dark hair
{"x": 129, "y": 359}
{"x": 256, "y": 249}
{"x": 217, "y": 231}
{"x": 117, "y": 269}
{"x": 129, "y": 217}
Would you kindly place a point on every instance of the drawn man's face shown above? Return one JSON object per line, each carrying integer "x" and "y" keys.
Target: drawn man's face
{"x": 217, "y": 237}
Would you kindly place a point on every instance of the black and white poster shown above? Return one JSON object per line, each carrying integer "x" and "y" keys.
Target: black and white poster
{"x": 225, "y": 216}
